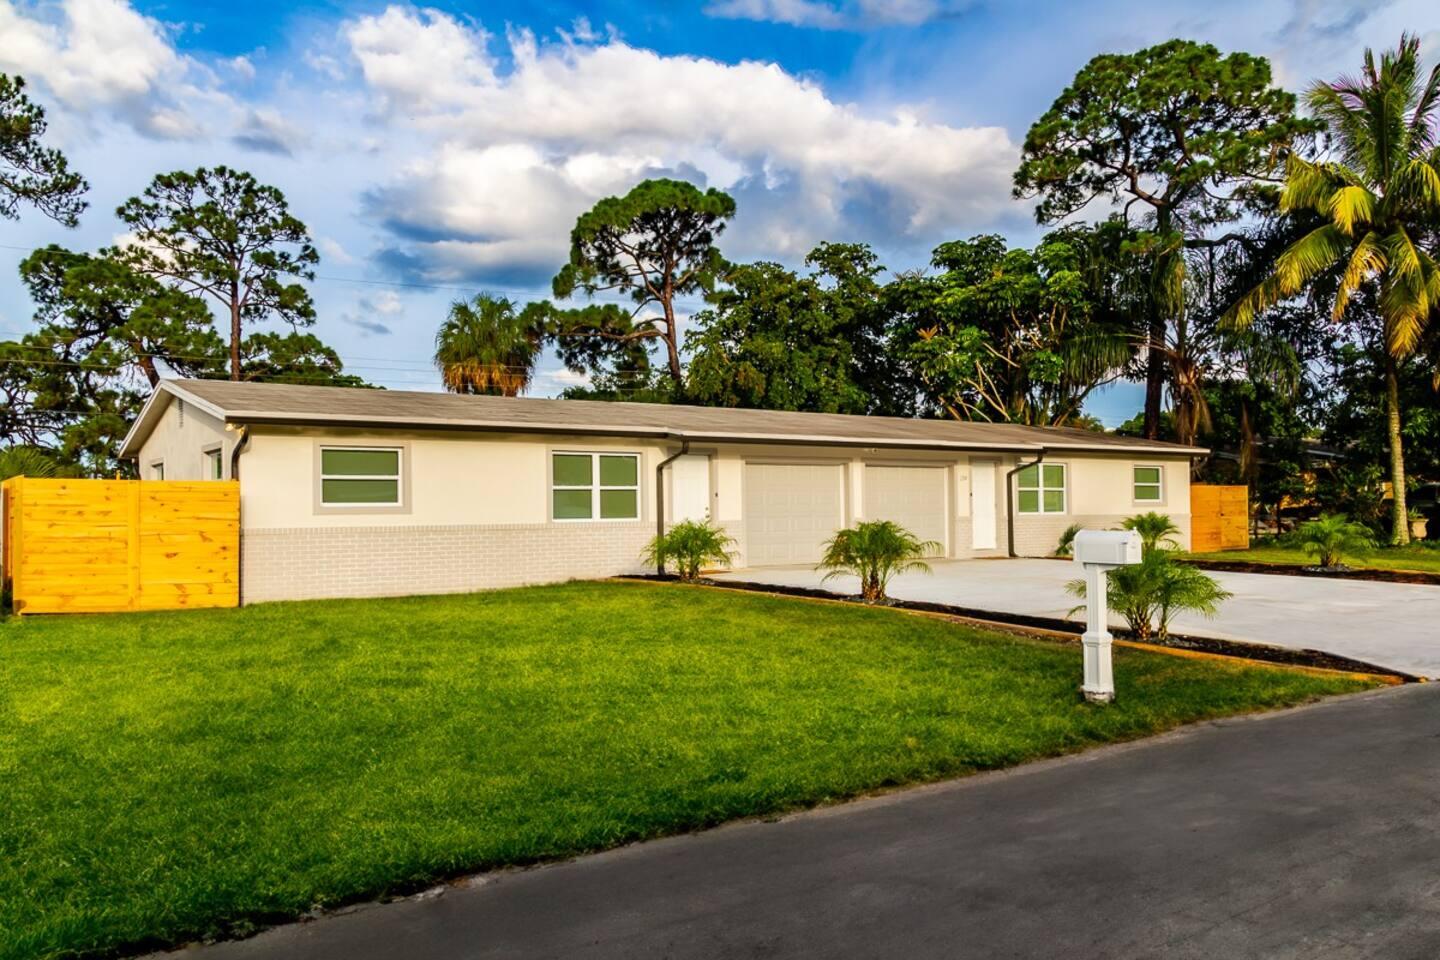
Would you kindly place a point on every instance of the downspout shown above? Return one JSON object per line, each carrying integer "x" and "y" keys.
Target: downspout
{"x": 235, "y": 452}
{"x": 1010, "y": 500}
{"x": 660, "y": 496}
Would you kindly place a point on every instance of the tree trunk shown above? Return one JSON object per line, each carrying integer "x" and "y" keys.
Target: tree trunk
{"x": 1154, "y": 376}
{"x": 234, "y": 331}
{"x": 1399, "y": 515}
{"x": 672, "y": 339}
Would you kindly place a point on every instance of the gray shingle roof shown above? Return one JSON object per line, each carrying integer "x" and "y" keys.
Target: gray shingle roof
{"x": 278, "y": 403}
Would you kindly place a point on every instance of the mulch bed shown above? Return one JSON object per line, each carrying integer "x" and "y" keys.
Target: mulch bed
{"x": 1050, "y": 627}
{"x": 1292, "y": 570}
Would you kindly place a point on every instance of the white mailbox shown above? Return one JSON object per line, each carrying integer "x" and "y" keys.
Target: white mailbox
{"x": 1109, "y": 548}
{"x": 1098, "y": 551}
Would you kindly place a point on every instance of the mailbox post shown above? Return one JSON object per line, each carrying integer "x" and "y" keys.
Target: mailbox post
{"x": 1098, "y": 551}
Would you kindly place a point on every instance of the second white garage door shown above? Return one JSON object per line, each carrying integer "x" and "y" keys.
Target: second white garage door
{"x": 791, "y": 509}
{"x": 913, "y": 497}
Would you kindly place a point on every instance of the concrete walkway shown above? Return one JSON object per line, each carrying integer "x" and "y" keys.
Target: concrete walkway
{"x": 1395, "y": 625}
{"x": 1312, "y": 834}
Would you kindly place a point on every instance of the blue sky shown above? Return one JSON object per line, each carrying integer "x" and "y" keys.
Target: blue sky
{"x": 443, "y": 149}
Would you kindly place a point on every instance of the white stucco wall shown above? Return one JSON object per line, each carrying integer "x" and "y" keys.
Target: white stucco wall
{"x": 452, "y": 478}
{"x": 180, "y": 440}
{"x": 476, "y": 509}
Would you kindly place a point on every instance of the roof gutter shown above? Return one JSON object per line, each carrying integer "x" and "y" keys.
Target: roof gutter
{"x": 1010, "y": 500}
{"x": 660, "y": 500}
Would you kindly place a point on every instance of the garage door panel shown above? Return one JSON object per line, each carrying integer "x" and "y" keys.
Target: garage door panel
{"x": 791, "y": 509}
{"x": 914, "y": 497}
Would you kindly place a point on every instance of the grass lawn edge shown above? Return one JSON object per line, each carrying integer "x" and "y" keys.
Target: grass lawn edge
{"x": 242, "y": 923}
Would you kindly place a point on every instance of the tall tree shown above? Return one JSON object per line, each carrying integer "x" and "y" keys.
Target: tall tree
{"x": 774, "y": 339}
{"x": 31, "y": 172}
{"x": 1379, "y": 200}
{"x": 220, "y": 233}
{"x": 1176, "y": 128}
{"x": 655, "y": 244}
{"x": 768, "y": 342}
{"x": 487, "y": 346}
{"x": 1018, "y": 336}
{"x": 86, "y": 303}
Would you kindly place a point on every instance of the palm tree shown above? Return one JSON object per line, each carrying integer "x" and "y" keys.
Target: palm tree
{"x": 875, "y": 551}
{"x": 23, "y": 461}
{"x": 1332, "y": 537}
{"x": 1157, "y": 531}
{"x": 1378, "y": 198}
{"x": 486, "y": 346}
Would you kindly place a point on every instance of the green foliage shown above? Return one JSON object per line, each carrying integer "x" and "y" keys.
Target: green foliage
{"x": 1150, "y": 593}
{"x": 293, "y": 358}
{"x": 1178, "y": 129}
{"x": 1066, "y": 546}
{"x": 107, "y": 333}
{"x": 22, "y": 461}
{"x": 31, "y": 172}
{"x": 1157, "y": 531}
{"x": 690, "y": 545}
{"x": 772, "y": 339}
{"x": 486, "y": 346}
{"x": 875, "y": 551}
{"x": 1374, "y": 205}
{"x": 1332, "y": 537}
{"x": 1175, "y": 126}
{"x": 332, "y": 752}
{"x": 1014, "y": 336}
{"x": 654, "y": 244}
{"x": 220, "y": 233}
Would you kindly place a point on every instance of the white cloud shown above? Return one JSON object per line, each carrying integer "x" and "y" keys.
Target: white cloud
{"x": 268, "y": 131}
{"x": 101, "y": 55}
{"x": 518, "y": 153}
{"x": 840, "y": 15}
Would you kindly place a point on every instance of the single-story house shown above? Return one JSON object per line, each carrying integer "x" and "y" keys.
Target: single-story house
{"x": 353, "y": 492}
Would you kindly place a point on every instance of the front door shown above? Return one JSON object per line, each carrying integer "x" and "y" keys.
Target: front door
{"x": 982, "y": 504}
{"x": 690, "y": 494}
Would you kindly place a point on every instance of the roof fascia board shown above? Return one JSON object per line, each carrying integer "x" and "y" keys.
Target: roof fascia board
{"x": 661, "y": 433}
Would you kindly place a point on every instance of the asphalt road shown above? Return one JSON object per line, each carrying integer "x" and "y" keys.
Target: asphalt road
{"x": 1313, "y": 833}
{"x": 1390, "y": 624}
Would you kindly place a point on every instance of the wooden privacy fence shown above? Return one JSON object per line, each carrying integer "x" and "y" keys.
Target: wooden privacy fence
{"x": 1219, "y": 518}
{"x": 91, "y": 546}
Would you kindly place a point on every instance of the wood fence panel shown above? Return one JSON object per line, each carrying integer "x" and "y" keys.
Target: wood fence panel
{"x": 1219, "y": 517}
{"x": 94, "y": 546}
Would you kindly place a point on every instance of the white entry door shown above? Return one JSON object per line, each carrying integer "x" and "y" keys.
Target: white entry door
{"x": 690, "y": 488}
{"x": 982, "y": 504}
{"x": 791, "y": 509}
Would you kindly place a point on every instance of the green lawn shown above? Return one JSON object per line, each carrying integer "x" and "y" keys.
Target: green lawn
{"x": 1413, "y": 557}
{"x": 176, "y": 775}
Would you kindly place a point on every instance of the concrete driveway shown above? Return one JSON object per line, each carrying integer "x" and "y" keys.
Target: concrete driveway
{"x": 1395, "y": 625}
{"x": 1311, "y": 834}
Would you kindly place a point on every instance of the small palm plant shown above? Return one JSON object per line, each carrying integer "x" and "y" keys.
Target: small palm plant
{"x": 23, "y": 461}
{"x": 1333, "y": 537}
{"x": 1066, "y": 546}
{"x": 875, "y": 551}
{"x": 1157, "y": 531}
{"x": 691, "y": 545}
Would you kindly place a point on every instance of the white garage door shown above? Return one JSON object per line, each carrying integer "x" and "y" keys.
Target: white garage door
{"x": 791, "y": 509}
{"x": 913, "y": 497}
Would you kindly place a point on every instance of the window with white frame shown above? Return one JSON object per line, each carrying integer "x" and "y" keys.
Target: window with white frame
{"x": 214, "y": 465}
{"x": 360, "y": 477}
{"x": 594, "y": 486}
{"x": 1040, "y": 488}
{"x": 1149, "y": 484}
